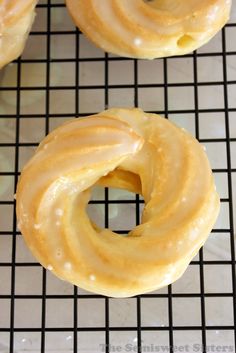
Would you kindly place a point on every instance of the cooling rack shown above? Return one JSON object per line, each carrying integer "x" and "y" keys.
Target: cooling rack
{"x": 61, "y": 75}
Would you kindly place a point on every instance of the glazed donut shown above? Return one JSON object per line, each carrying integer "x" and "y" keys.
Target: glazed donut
{"x": 16, "y": 18}
{"x": 149, "y": 29}
{"x": 130, "y": 149}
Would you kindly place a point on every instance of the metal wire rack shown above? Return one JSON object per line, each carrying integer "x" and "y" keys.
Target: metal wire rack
{"x": 39, "y": 313}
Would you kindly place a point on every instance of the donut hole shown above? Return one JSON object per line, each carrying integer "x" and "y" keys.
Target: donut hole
{"x": 117, "y": 211}
{"x": 116, "y": 208}
{"x": 185, "y": 41}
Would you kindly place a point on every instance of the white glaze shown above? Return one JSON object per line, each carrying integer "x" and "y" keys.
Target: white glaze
{"x": 59, "y": 212}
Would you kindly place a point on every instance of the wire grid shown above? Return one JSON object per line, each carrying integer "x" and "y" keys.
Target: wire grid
{"x": 87, "y": 331}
